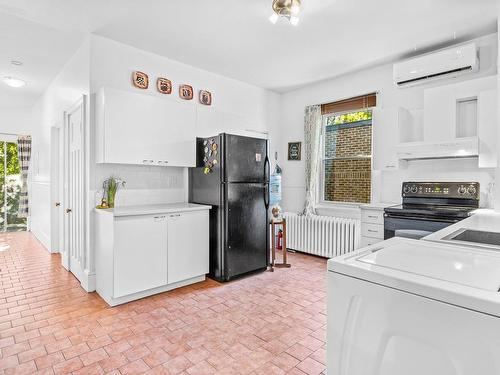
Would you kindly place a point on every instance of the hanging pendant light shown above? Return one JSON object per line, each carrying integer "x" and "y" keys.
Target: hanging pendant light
{"x": 288, "y": 9}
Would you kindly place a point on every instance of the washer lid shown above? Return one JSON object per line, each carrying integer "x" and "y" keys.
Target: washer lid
{"x": 459, "y": 275}
{"x": 475, "y": 269}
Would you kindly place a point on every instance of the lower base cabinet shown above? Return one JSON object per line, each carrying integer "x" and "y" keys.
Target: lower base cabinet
{"x": 141, "y": 255}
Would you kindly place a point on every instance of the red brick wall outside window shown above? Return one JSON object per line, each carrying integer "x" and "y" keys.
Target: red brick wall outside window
{"x": 347, "y": 157}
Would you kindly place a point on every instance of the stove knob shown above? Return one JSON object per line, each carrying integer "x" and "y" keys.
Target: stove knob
{"x": 406, "y": 189}
{"x": 414, "y": 189}
{"x": 462, "y": 190}
{"x": 472, "y": 190}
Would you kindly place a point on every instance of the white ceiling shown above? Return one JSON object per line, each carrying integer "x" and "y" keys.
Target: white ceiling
{"x": 43, "y": 52}
{"x": 234, "y": 37}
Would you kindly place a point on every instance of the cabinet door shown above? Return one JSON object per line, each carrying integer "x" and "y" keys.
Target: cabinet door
{"x": 440, "y": 109}
{"x": 487, "y": 128}
{"x": 145, "y": 129}
{"x": 128, "y": 127}
{"x": 188, "y": 242}
{"x": 176, "y": 137}
{"x": 385, "y": 138}
{"x": 140, "y": 254}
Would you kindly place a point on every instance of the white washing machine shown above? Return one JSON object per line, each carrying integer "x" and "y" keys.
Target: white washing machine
{"x": 409, "y": 307}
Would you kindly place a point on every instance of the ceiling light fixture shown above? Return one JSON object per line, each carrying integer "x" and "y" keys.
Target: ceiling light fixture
{"x": 14, "y": 82}
{"x": 288, "y": 9}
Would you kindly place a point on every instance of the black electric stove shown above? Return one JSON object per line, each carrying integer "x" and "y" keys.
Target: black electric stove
{"x": 430, "y": 206}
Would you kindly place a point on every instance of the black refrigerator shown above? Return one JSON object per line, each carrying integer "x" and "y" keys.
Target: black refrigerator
{"x": 232, "y": 175}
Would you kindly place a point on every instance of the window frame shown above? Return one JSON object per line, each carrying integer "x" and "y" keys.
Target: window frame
{"x": 321, "y": 178}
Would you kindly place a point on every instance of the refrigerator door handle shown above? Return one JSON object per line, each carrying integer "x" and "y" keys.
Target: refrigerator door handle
{"x": 267, "y": 169}
{"x": 266, "y": 196}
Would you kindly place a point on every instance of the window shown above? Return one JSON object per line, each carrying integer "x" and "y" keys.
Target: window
{"x": 10, "y": 188}
{"x": 347, "y": 149}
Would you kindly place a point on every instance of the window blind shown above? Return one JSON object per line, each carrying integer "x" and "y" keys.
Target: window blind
{"x": 352, "y": 104}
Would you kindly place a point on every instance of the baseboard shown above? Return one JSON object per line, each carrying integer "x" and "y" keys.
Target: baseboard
{"x": 42, "y": 237}
{"x": 132, "y": 297}
{"x": 88, "y": 281}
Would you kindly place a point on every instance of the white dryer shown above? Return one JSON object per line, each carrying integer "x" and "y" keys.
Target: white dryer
{"x": 409, "y": 307}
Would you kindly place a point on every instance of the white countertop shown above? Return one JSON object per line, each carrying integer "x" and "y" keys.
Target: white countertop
{"x": 482, "y": 220}
{"x": 377, "y": 206}
{"x": 151, "y": 209}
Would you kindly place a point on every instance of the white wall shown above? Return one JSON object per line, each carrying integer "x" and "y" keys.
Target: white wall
{"x": 387, "y": 185}
{"x": 15, "y": 121}
{"x": 64, "y": 91}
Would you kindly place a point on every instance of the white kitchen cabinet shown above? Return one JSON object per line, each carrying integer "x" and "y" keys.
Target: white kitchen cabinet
{"x": 487, "y": 128}
{"x": 187, "y": 245}
{"x": 144, "y": 250}
{"x": 140, "y": 254}
{"x": 442, "y": 109}
{"x": 137, "y": 128}
{"x": 385, "y": 128}
{"x": 372, "y": 223}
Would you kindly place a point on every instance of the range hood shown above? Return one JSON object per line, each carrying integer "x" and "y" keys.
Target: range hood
{"x": 457, "y": 148}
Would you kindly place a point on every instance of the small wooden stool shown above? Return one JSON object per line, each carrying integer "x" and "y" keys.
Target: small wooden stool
{"x": 273, "y": 253}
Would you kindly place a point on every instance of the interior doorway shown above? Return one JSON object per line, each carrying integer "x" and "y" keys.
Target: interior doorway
{"x": 10, "y": 188}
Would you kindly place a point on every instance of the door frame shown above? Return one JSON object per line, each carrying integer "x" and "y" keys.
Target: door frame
{"x": 56, "y": 187}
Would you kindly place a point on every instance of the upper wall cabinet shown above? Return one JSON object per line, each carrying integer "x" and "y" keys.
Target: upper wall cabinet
{"x": 134, "y": 128}
{"x": 388, "y": 125}
{"x": 487, "y": 120}
{"x": 451, "y": 111}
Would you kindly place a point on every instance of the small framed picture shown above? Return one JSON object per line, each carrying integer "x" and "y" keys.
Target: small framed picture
{"x": 164, "y": 85}
{"x": 186, "y": 92}
{"x": 140, "y": 80}
{"x": 205, "y": 97}
{"x": 294, "y": 150}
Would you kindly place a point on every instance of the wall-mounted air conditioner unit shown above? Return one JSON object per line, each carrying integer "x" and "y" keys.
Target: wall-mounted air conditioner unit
{"x": 449, "y": 62}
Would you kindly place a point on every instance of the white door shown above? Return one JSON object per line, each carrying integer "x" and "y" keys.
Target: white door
{"x": 188, "y": 252}
{"x": 74, "y": 241}
{"x": 140, "y": 258}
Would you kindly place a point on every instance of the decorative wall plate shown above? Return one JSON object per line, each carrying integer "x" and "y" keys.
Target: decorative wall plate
{"x": 294, "y": 150}
{"x": 205, "y": 97}
{"x": 186, "y": 92}
{"x": 140, "y": 80}
{"x": 164, "y": 85}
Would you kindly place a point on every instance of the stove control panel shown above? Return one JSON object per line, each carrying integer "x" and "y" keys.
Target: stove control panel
{"x": 461, "y": 190}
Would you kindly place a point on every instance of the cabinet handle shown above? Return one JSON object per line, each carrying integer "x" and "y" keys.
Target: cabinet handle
{"x": 390, "y": 166}
{"x": 372, "y": 231}
{"x": 175, "y": 215}
{"x": 372, "y": 217}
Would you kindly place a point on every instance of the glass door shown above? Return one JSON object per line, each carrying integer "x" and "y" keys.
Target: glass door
{"x": 10, "y": 188}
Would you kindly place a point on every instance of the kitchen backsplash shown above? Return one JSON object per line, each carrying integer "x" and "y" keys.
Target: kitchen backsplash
{"x": 143, "y": 184}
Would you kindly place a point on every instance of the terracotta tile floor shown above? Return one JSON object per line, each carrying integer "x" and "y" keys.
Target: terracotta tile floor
{"x": 270, "y": 323}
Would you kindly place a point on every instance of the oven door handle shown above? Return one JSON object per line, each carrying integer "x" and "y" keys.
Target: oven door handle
{"x": 386, "y": 216}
